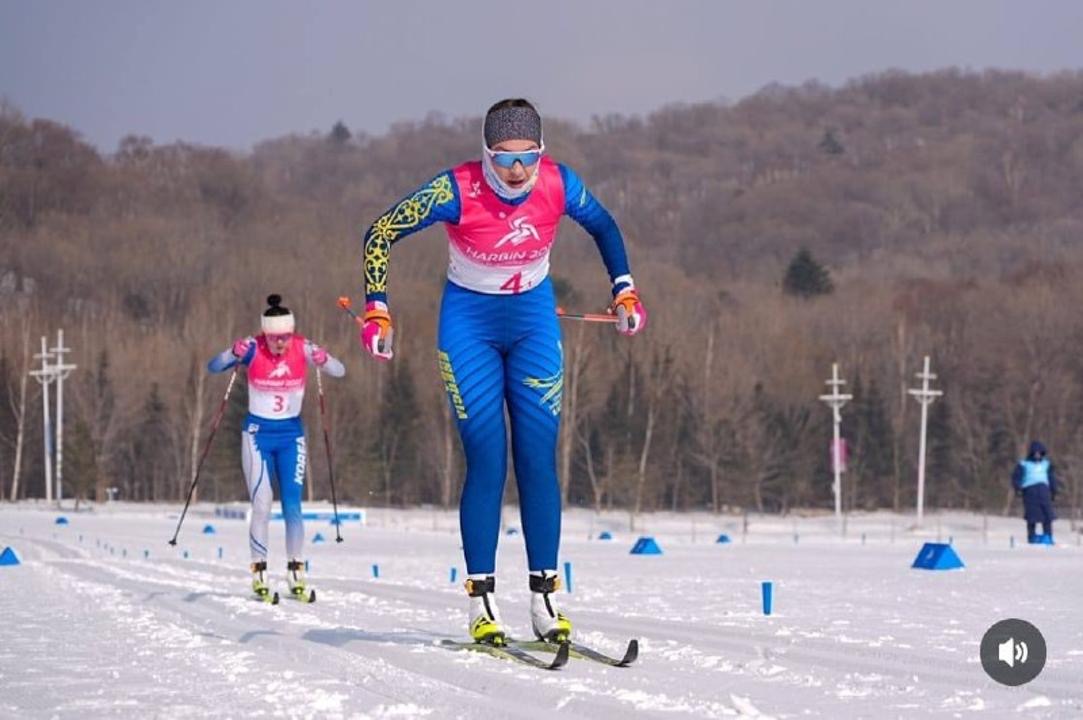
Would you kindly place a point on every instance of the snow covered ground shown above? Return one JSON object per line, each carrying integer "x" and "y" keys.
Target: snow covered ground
{"x": 90, "y": 627}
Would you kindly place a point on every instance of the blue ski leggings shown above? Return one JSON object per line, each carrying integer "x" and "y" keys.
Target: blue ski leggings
{"x": 496, "y": 350}
{"x": 273, "y": 453}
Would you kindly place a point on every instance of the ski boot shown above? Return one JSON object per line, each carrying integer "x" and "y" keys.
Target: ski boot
{"x": 259, "y": 582}
{"x": 485, "y": 623}
{"x": 549, "y": 624}
{"x": 295, "y": 577}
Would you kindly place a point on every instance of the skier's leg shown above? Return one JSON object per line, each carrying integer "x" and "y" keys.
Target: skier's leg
{"x": 471, "y": 367}
{"x": 290, "y": 466}
{"x": 534, "y": 383}
{"x": 257, "y": 475}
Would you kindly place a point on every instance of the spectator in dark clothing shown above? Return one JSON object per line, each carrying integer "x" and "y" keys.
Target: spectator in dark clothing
{"x": 1036, "y": 482}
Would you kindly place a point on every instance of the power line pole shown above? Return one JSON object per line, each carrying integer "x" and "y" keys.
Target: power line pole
{"x": 925, "y": 396}
{"x": 61, "y": 371}
{"x": 44, "y": 377}
{"x": 835, "y": 400}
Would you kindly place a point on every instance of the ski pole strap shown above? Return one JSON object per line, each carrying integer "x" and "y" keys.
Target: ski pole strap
{"x": 478, "y": 588}
{"x": 544, "y": 583}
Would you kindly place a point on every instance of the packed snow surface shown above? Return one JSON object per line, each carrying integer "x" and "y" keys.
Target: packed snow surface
{"x": 104, "y": 618}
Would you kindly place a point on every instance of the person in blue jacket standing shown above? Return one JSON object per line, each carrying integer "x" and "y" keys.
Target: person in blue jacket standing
{"x": 1036, "y": 482}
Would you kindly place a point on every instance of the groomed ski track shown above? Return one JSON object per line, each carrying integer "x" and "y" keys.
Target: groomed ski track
{"x": 93, "y": 629}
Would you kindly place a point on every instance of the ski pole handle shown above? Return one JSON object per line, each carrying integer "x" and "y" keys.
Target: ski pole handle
{"x": 586, "y": 317}
{"x": 346, "y": 304}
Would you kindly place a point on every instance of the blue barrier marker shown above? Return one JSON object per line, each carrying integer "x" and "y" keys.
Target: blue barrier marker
{"x": 454, "y": 572}
{"x": 375, "y": 570}
{"x": 605, "y": 535}
{"x": 61, "y": 520}
{"x": 219, "y": 552}
{"x": 767, "y": 591}
{"x": 646, "y": 545}
{"x": 723, "y": 539}
{"x": 185, "y": 554}
{"x": 8, "y": 557}
{"x": 568, "y": 575}
{"x": 318, "y": 538}
{"x": 937, "y": 556}
{"x": 208, "y": 530}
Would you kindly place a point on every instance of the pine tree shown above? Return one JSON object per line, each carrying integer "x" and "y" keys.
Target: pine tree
{"x": 830, "y": 144}
{"x": 806, "y": 278}
{"x": 340, "y": 134}
{"x": 82, "y": 457}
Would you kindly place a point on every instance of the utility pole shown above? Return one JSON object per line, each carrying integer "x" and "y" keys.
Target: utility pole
{"x": 925, "y": 396}
{"x": 44, "y": 377}
{"x": 835, "y": 400}
{"x": 61, "y": 370}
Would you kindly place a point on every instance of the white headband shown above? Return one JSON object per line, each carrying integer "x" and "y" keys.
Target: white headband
{"x": 276, "y": 324}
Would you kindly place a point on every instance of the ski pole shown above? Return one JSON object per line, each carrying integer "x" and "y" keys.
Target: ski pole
{"x": 586, "y": 317}
{"x": 206, "y": 449}
{"x": 330, "y": 460}
{"x": 345, "y": 303}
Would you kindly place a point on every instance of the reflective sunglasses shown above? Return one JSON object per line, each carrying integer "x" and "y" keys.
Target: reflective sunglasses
{"x": 284, "y": 337}
{"x": 507, "y": 158}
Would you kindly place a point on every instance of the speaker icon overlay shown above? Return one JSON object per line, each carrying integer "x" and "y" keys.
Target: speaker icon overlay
{"x": 1013, "y": 652}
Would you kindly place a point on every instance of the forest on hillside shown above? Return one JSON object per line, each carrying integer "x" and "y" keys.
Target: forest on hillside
{"x": 944, "y": 207}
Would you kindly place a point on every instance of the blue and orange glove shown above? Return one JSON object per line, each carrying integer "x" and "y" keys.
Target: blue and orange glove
{"x": 377, "y": 332}
{"x": 631, "y": 315}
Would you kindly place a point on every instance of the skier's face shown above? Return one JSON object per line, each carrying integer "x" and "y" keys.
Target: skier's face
{"x": 518, "y": 174}
{"x": 278, "y": 344}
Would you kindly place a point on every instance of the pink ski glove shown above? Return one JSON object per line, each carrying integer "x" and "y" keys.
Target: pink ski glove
{"x": 241, "y": 347}
{"x": 377, "y": 332}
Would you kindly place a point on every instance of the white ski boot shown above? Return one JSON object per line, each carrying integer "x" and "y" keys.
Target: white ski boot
{"x": 295, "y": 578}
{"x": 549, "y": 624}
{"x": 259, "y": 581}
{"x": 485, "y": 623}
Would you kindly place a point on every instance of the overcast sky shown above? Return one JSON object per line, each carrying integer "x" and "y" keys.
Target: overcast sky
{"x": 232, "y": 73}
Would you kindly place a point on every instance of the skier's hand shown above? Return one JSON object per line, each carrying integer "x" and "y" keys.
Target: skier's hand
{"x": 631, "y": 315}
{"x": 241, "y": 346}
{"x": 376, "y": 330}
{"x": 319, "y": 355}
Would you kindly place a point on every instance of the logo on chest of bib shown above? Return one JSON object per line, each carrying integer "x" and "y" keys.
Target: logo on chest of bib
{"x": 521, "y": 231}
{"x": 282, "y": 369}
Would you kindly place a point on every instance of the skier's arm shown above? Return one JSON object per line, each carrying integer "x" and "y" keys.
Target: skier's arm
{"x": 318, "y": 357}
{"x": 241, "y": 351}
{"x": 585, "y": 209}
{"x": 435, "y": 201}
{"x": 1017, "y": 477}
{"x": 580, "y": 205}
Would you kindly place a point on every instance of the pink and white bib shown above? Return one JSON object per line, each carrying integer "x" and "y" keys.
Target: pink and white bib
{"x": 498, "y": 248}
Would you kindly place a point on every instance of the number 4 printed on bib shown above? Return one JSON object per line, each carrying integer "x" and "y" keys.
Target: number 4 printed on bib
{"x": 514, "y": 284}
